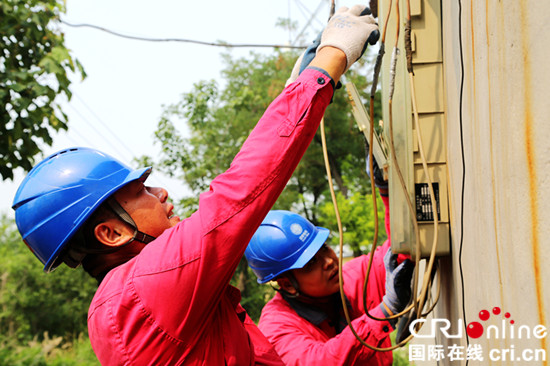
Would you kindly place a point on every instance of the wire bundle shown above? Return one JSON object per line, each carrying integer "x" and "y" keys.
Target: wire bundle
{"x": 422, "y": 297}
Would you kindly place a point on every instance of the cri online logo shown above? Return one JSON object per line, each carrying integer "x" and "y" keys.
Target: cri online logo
{"x": 475, "y": 329}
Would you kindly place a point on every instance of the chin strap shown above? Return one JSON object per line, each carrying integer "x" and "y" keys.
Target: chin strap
{"x": 124, "y": 216}
{"x": 75, "y": 253}
{"x": 294, "y": 284}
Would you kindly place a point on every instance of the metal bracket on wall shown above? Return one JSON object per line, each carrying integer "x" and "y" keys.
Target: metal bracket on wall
{"x": 363, "y": 122}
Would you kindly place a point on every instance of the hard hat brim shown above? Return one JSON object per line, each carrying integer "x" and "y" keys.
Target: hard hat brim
{"x": 139, "y": 174}
{"x": 312, "y": 249}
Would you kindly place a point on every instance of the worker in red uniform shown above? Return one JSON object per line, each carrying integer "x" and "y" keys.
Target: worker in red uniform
{"x": 305, "y": 320}
{"x": 164, "y": 296}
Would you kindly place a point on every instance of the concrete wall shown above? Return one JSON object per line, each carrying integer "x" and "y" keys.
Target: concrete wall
{"x": 500, "y": 215}
{"x": 496, "y": 67}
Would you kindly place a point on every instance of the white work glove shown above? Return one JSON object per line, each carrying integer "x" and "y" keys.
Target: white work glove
{"x": 350, "y": 30}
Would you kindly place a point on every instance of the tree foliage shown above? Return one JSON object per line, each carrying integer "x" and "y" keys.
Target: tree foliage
{"x": 39, "y": 312}
{"x": 357, "y": 216}
{"x": 34, "y": 66}
{"x": 201, "y": 134}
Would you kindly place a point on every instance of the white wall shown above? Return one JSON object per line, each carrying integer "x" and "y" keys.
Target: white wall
{"x": 500, "y": 239}
{"x": 495, "y": 58}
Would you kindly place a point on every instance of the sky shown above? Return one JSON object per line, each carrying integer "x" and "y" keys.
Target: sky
{"x": 116, "y": 108}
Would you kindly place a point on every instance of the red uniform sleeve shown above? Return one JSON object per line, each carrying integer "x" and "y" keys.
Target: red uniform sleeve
{"x": 299, "y": 342}
{"x": 194, "y": 261}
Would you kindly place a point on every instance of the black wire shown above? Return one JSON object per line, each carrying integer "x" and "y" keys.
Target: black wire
{"x": 147, "y": 39}
{"x": 463, "y": 168}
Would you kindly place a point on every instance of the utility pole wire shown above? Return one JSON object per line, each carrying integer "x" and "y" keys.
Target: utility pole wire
{"x": 216, "y": 44}
{"x": 308, "y": 24}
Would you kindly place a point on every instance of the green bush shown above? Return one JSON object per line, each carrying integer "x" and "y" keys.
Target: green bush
{"x": 42, "y": 316}
{"x": 48, "y": 351}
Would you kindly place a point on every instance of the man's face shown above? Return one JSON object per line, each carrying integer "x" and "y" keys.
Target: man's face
{"x": 148, "y": 207}
{"x": 319, "y": 277}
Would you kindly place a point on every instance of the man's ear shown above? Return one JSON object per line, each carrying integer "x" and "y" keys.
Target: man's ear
{"x": 112, "y": 233}
{"x": 285, "y": 284}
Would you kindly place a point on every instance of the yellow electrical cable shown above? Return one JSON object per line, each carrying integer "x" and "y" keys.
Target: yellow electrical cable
{"x": 371, "y": 166}
{"x": 432, "y": 195}
{"x": 423, "y": 157}
{"x": 340, "y": 257}
{"x": 338, "y": 219}
{"x": 346, "y": 313}
{"x": 418, "y": 304}
{"x": 408, "y": 54}
{"x": 393, "y": 63}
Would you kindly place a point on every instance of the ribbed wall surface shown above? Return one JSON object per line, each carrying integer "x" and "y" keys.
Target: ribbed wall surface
{"x": 504, "y": 226}
{"x": 496, "y": 69}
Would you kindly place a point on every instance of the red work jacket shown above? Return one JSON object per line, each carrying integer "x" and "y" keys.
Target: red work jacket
{"x": 172, "y": 303}
{"x": 301, "y": 342}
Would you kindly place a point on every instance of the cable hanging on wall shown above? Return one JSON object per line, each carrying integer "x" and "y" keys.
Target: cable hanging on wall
{"x": 422, "y": 302}
{"x": 463, "y": 180}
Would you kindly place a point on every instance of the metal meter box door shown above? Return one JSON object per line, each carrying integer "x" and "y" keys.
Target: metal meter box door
{"x": 427, "y": 58}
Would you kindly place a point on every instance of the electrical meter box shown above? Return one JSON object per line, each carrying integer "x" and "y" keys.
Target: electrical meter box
{"x": 427, "y": 59}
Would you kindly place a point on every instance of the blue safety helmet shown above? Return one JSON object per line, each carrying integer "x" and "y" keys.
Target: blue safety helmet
{"x": 284, "y": 241}
{"x": 60, "y": 193}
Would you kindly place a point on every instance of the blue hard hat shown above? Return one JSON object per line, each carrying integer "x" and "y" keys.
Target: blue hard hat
{"x": 60, "y": 193}
{"x": 284, "y": 241}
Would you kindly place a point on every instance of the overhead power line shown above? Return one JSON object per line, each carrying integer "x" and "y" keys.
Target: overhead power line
{"x": 312, "y": 17}
{"x": 159, "y": 177}
{"x": 99, "y": 133}
{"x": 308, "y": 13}
{"x": 148, "y": 39}
{"x": 119, "y": 141}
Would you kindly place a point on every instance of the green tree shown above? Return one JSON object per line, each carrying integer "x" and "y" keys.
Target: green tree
{"x": 33, "y": 303}
{"x": 34, "y": 66}
{"x": 48, "y": 351}
{"x": 200, "y": 135}
{"x": 357, "y": 216}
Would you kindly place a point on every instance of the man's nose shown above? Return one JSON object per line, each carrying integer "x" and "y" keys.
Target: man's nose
{"x": 160, "y": 193}
{"x": 328, "y": 261}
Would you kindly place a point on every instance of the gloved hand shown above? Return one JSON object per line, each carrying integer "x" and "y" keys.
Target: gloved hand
{"x": 379, "y": 180}
{"x": 350, "y": 30}
{"x": 378, "y": 174}
{"x": 398, "y": 282}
